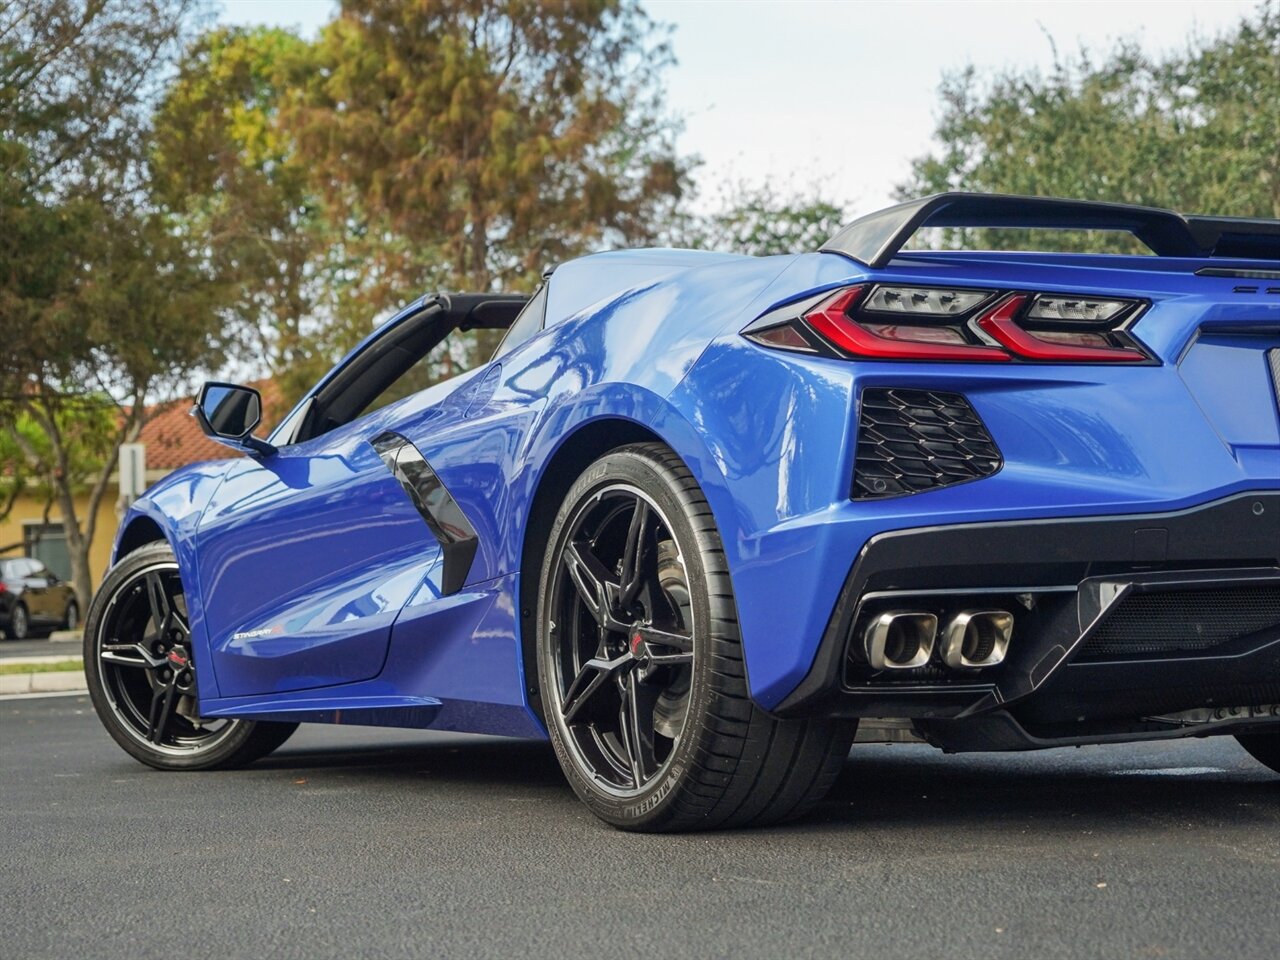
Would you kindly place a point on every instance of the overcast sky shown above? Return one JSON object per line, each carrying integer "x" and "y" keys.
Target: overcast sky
{"x": 842, "y": 94}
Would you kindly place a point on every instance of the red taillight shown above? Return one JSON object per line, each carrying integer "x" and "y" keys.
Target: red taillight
{"x": 885, "y": 322}
{"x": 831, "y": 320}
{"x": 999, "y": 322}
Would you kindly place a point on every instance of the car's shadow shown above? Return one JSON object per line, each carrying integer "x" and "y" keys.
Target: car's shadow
{"x": 478, "y": 762}
{"x": 1000, "y": 792}
{"x": 886, "y": 786}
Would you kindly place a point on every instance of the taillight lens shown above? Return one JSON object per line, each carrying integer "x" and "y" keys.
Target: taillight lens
{"x": 927, "y": 301}
{"x": 1045, "y": 307}
{"x": 888, "y": 322}
{"x": 834, "y": 321}
{"x": 1001, "y": 323}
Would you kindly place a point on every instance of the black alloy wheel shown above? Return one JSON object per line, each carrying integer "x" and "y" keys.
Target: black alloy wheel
{"x": 640, "y": 664}
{"x": 626, "y": 647}
{"x": 142, "y": 674}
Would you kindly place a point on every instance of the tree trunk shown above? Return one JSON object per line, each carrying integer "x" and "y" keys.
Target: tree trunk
{"x": 77, "y": 549}
{"x": 62, "y": 481}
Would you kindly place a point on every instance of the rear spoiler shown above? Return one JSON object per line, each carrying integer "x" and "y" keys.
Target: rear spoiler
{"x": 876, "y": 239}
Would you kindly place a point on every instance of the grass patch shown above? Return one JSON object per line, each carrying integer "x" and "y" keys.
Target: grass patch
{"x": 57, "y": 666}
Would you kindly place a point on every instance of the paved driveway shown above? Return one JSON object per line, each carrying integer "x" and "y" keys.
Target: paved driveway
{"x": 363, "y": 842}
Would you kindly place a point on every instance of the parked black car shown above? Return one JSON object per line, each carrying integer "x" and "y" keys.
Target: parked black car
{"x": 34, "y": 601}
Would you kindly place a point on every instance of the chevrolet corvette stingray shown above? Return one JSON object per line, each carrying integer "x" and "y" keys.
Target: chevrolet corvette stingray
{"x": 704, "y": 520}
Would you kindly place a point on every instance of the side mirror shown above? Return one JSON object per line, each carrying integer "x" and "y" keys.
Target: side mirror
{"x": 228, "y": 413}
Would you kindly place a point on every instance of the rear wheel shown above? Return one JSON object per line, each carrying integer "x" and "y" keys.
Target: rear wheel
{"x": 641, "y": 665}
{"x": 141, "y": 673}
{"x": 71, "y": 619}
{"x": 1263, "y": 747}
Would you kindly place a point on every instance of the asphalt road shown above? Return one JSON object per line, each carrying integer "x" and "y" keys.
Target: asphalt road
{"x": 352, "y": 842}
{"x": 63, "y": 645}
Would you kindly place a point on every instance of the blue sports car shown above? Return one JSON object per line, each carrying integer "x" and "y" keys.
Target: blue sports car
{"x": 704, "y": 520}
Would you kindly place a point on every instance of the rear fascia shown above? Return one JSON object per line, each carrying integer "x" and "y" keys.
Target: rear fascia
{"x": 1077, "y": 440}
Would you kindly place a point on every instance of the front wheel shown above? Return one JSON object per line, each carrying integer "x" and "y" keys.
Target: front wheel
{"x": 71, "y": 619}
{"x": 142, "y": 673}
{"x": 640, "y": 662}
{"x": 19, "y": 623}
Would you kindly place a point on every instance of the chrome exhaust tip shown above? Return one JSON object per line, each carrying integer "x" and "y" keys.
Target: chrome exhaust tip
{"x": 900, "y": 639}
{"x": 977, "y": 638}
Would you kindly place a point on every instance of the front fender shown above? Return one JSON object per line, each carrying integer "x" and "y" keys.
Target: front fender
{"x": 174, "y": 505}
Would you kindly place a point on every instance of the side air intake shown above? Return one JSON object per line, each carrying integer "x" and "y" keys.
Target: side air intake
{"x": 915, "y": 440}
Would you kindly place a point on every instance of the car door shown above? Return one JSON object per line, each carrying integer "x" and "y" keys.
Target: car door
{"x": 58, "y": 594}
{"x": 36, "y": 594}
{"x": 307, "y": 555}
{"x": 305, "y": 558}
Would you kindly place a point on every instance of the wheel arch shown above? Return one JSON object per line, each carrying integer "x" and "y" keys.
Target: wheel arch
{"x": 587, "y": 443}
{"x": 137, "y": 533}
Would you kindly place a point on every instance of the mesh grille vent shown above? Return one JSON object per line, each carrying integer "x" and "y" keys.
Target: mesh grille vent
{"x": 1184, "y": 621}
{"x": 914, "y": 440}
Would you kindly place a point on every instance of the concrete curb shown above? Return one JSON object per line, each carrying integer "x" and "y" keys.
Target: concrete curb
{"x": 55, "y": 682}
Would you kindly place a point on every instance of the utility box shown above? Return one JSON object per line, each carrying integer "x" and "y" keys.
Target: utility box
{"x": 132, "y": 472}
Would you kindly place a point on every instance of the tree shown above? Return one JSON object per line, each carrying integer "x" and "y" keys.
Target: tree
{"x": 761, "y": 221}
{"x": 494, "y": 136}
{"x": 15, "y": 478}
{"x": 433, "y": 144}
{"x": 1197, "y": 131}
{"x": 84, "y": 434}
{"x": 225, "y": 164}
{"x": 103, "y": 302}
{"x": 468, "y": 143}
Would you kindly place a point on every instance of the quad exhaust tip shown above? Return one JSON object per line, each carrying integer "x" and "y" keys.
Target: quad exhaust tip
{"x": 977, "y": 638}
{"x": 905, "y": 639}
{"x": 900, "y": 639}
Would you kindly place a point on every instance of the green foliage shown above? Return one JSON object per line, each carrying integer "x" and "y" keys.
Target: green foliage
{"x": 449, "y": 144}
{"x": 85, "y": 427}
{"x": 492, "y": 136}
{"x": 103, "y": 302}
{"x": 1197, "y": 131}
{"x": 762, "y": 221}
{"x": 98, "y": 292}
{"x": 222, "y": 161}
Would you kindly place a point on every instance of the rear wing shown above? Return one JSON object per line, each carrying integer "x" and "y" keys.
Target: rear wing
{"x": 876, "y": 239}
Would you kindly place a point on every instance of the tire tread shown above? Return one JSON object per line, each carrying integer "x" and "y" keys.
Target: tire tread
{"x": 751, "y": 769}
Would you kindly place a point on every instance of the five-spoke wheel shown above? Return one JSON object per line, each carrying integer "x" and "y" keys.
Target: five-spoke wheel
{"x": 624, "y": 636}
{"x": 640, "y": 664}
{"x": 142, "y": 674}
{"x": 145, "y": 662}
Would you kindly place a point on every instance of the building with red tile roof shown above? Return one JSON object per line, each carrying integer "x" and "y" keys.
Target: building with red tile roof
{"x": 173, "y": 438}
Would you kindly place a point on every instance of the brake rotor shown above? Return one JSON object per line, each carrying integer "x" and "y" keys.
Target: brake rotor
{"x": 672, "y": 705}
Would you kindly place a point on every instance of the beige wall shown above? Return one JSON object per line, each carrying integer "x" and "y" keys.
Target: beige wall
{"x": 32, "y": 508}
